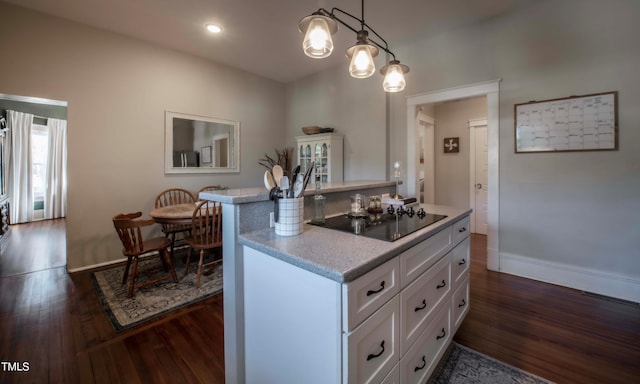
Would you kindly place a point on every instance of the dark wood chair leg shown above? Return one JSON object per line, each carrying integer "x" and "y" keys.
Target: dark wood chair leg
{"x": 199, "y": 268}
{"x": 169, "y": 263}
{"x": 188, "y": 262}
{"x": 134, "y": 274}
{"x": 126, "y": 270}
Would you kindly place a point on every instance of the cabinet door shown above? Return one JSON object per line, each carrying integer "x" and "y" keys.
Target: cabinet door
{"x": 420, "y": 300}
{"x": 416, "y": 260}
{"x": 422, "y": 357}
{"x": 363, "y": 296}
{"x": 460, "y": 261}
{"x": 461, "y": 230}
{"x": 371, "y": 350}
{"x": 460, "y": 304}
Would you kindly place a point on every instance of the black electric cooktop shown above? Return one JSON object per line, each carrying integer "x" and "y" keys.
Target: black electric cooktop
{"x": 388, "y": 226}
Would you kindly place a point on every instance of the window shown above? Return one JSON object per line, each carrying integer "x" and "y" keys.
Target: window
{"x": 39, "y": 152}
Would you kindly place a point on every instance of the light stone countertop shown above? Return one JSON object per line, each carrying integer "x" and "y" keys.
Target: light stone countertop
{"x": 256, "y": 194}
{"x": 343, "y": 256}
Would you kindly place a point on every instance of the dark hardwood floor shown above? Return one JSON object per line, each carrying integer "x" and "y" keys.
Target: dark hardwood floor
{"x": 558, "y": 333}
{"x": 55, "y": 323}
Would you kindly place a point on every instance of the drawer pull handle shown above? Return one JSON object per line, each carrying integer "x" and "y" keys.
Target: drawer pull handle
{"x": 370, "y": 292}
{"x": 372, "y": 356}
{"x": 424, "y": 364}
{"x": 463, "y": 229}
{"x": 462, "y": 304}
{"x": 462, "y": 262}
{"x": 441, "y": 335}
{"x": 441, "y": 285}
{"x": 424, "y": 305}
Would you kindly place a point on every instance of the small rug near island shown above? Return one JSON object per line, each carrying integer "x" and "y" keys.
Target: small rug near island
{"x": 462, "y": 365}
{"x": 154, "y": 300}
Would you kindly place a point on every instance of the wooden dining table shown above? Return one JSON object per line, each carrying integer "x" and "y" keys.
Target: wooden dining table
{"x": 178, "y": 214}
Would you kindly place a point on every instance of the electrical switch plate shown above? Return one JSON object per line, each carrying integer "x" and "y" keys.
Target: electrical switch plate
{"x": 272, "y": 221}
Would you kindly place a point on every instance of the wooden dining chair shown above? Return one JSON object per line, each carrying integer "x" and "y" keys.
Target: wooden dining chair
{"x": 129, "y": 227}
{"x": 209, "y": 188}
{"x": 174, "y": 196}
{"x": 206, "y": 235}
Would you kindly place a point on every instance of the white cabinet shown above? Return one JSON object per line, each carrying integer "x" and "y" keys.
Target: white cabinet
{"x": 390, "y": 325}
{"x": 326, "y": 149}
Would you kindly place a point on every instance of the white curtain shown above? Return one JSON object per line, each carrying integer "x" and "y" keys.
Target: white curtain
{"x": 55, "y": 199}
{"x": 19, "y": 164}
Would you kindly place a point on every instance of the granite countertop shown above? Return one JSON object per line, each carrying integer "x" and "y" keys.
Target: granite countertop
{"x": 342, "y": 256}
{"x": 256, "y": 194}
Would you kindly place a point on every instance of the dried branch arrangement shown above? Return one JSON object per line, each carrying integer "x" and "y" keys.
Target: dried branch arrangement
{"x": 282, "y": 158}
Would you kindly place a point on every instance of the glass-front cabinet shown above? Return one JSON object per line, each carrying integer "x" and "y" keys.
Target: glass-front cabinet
{"x": 326, "y": 150}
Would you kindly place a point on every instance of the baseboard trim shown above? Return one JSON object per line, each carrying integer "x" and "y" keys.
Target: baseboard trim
{"x": 96, "y": 266}
{"x": 583, "y": 279}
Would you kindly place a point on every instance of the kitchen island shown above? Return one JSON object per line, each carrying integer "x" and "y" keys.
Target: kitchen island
{"x": 335, "y": 307}
{"x": 247, "y": 210}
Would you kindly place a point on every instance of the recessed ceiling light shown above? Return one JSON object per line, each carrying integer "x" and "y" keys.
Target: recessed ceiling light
{"x": 213, "y": 28}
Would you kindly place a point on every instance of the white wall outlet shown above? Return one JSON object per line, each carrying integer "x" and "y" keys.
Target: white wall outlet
{"x": 272, "y": 220}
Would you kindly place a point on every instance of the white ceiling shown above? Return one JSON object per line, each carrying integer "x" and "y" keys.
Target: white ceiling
{"x": 261, "y": 36}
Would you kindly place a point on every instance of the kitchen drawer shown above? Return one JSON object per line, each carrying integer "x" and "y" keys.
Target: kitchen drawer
{"x": 393, "y": 377}
{"x": 419, "y": 258}
{"x": 460, "y": 304}
{"x": 419, "y": 301}
{"x": 461, "y": 229}
{"x": 371, "y": 350}
{"x": 460, "y": 261}
{"x": 418, "y": 364}
{"x": 363, "y": 296}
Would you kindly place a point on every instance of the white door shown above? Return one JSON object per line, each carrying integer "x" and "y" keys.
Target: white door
{"x": 426, "y": 158}
{"x": 479, "y": 172}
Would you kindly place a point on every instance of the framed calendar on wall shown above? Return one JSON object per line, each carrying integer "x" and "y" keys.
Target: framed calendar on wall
{"x": 575, "y": 123}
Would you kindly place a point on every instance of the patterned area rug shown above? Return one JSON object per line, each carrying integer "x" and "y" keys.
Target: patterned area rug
{"x": 154, "y": 300}
{"x": 464, "y": 365}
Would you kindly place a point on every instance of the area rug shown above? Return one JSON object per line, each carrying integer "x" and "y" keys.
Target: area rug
{"x": 154, "y": 300}
{"x": 461, "y": 365}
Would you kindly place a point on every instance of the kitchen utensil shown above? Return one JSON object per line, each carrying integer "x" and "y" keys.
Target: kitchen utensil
{"x": 284, "y": 185}
{"x": 298, "y": 186}
{"x": 307, "y": 175}
{"x": 277, "y": 174}
{"x": 269, "y": 183}
{"x": 273, "y": 195}
{"x": 294, "y": 175}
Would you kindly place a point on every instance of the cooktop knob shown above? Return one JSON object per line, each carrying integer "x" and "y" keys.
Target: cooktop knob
{"x": 421, "y": 213}
{"x": 390, "y": 210}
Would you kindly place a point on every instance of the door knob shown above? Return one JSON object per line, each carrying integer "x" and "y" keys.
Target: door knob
{"x": 478, "y": 186}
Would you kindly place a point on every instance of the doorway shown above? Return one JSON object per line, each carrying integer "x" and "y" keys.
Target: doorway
{"x": 491, "y": 90}
{"x": 22, "y": 247}
{"x": 425, "y": 125}
{"x": 478, "y": 175}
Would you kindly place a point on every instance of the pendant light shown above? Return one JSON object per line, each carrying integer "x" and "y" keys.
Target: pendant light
{"x": 317, "y": 43}
{"x": 318, "y": 30}
{"x": 394, "y": 76}
{"x": 361, "y": 55}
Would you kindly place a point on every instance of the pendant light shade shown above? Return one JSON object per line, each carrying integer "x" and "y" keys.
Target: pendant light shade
{"x": 362, "y": 65}
{"x": 317, "y": 30}
{"x": 317, "y": 43}
{"x": 394, "y": 76}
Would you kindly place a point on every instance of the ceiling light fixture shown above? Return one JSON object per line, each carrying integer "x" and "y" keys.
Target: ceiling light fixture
{"x": 317, "y": 43}
{"x": 213, "y": 28}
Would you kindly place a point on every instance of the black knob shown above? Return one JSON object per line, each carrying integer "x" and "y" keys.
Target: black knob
{"x": 390, "y": 210}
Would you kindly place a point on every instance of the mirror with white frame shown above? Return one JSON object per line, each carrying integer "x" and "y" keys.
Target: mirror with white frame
{"x": 199, "y": 144}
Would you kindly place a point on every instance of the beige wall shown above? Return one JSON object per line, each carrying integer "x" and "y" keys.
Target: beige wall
{"x": 576, "y": 213}
{"x": 117, "y": 91}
